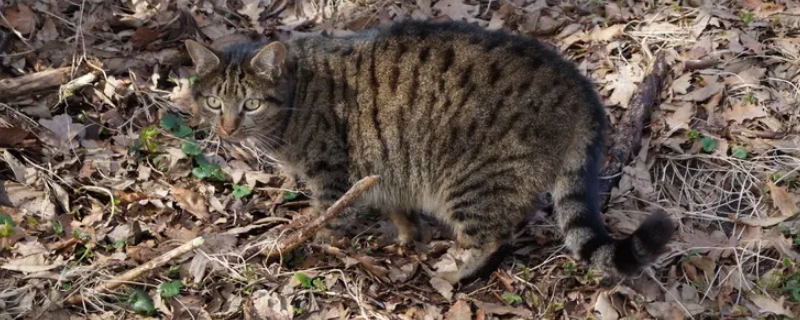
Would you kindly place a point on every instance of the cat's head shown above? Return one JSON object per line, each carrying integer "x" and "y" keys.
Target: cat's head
{"x": 241, "y": 91}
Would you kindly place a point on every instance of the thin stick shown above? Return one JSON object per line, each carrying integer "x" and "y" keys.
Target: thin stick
{"x": 628, "y": 135}
{"x": 134, "y": 273}
{"x": 305, "y": 232}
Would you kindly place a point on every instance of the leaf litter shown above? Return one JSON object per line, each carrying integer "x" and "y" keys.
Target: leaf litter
{"x": 104, "y": 176}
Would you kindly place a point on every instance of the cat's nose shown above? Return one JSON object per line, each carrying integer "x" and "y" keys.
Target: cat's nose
{"x": 228, "y": 125}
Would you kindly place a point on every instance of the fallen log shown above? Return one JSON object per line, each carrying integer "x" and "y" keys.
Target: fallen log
{"x": 34, "y": 82}
{"x": 627, "y": 138}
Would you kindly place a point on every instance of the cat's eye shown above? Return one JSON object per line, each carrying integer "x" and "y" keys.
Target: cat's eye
{"x": 252, "y": 104}
{"x": 213, "y": 103}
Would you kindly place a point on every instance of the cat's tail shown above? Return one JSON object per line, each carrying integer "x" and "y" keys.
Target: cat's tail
{"x": 577, "y": 209}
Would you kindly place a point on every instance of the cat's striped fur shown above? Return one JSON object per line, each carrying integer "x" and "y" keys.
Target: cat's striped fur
{"x": 462, "y": 123}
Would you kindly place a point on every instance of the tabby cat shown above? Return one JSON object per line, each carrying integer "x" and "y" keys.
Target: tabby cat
{"x": 462, "y": 123}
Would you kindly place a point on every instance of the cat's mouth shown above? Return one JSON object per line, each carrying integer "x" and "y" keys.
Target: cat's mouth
{"x": 233, "y": 137}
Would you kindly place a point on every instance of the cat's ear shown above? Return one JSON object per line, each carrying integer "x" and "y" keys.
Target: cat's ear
{"x": 269, "y": 61}
{"x": 204, "y": 59}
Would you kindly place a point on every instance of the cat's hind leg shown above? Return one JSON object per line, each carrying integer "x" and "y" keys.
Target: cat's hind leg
{"x": 407, "y": 224}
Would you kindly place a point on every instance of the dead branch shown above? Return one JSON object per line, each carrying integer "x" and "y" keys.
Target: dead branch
{"x": 134, "y": 273}
{"x": 627, "y": 138}
{"x": 305, "y": 232}
{"x": 34, "y": 82}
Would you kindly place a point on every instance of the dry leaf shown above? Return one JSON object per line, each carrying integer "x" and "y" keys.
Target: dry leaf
{"x": 682, "y": 83}
{"x": 680, "y": 118}
{"x": 623, "y": 84}
{"x": 739, "y": 112}
{"x": 459, "y": 311}
{"x": 497, "y": 309}
{"x": 770, "y": 305}
{"x": 701, "y": 94}
{"x": 783, "y": 200}
{"x": 48, "y": 31}
{"x": 604, "y": 306}
{"x": 191, "y": 201}
{"x": 443, "y": 287}
{"x": 20, "y": 18}
{"x": 32, "y": 263}
{"x": 457, "y": 9}
{"x": 271, "y": 306}
{"x": 750, "y": 76}
{"x": 606, "y": 34}
{"x": 63, "y": 131}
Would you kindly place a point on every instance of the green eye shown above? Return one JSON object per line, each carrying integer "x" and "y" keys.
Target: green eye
{"x": 213, "y": 103}
{"x": 252, "y": 104}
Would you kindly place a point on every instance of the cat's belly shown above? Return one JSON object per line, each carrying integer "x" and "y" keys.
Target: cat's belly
{"x": 388, "y": 197}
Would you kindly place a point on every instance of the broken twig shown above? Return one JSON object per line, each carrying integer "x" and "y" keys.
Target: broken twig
{"x": 138, "y": 271}
{"x": 305, "y": 232}
{"x": 627, "y": 138}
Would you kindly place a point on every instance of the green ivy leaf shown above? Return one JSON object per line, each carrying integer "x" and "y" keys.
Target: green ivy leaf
{"x": 141, "y": 303}
{"x": 207, "y": 170}
{"x": 191, "y": 148}
{"x": 183, "y": 131}
{"x": 193, "y": 79}
{"x": 304, "y": 280}
{"x": 171, "y": 122}
{"x": 170, "y": 289}
{"x": 511, "y": 298}
{"x": 739, "y": 152}
{"x": 241, "y": 191}
{"x": 708, "y": 144}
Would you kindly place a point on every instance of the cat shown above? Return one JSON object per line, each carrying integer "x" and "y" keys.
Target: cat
{"x": 465, "y": 124}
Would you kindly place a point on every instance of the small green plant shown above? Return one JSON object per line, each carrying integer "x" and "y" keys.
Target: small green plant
{"x": 569, "y": 268}
{"x": 119, "y": 244}
{"x": 6, "y": 225}
{"x": 318, "y": 284}
{"x": 689, "y": 254}
{"x": 80, "y": 235}
{"x": 170, "y": 289}
{"x": 751, "y": 98}
{"x": 511, "y": 298}
{"x": 174, "y": 272}
{"x": 792, "y": 286}
{"x": 241, "y": 191}
{"x": 57, "y": 227}
{"x": 739, "y": 152}
{"x": 709, "y": 144}
{"x": 693, "y": 135}
{"x": 147, "y": 140}
{"x": 289, "y": 196}
{"x": 304, "y": 280}
{"x": 746, "y": 17}
{"x": 141, "y": 303}
{"x": 66, "y": 286}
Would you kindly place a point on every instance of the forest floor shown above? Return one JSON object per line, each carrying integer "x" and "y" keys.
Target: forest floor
{"x": 102, "y": 169}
